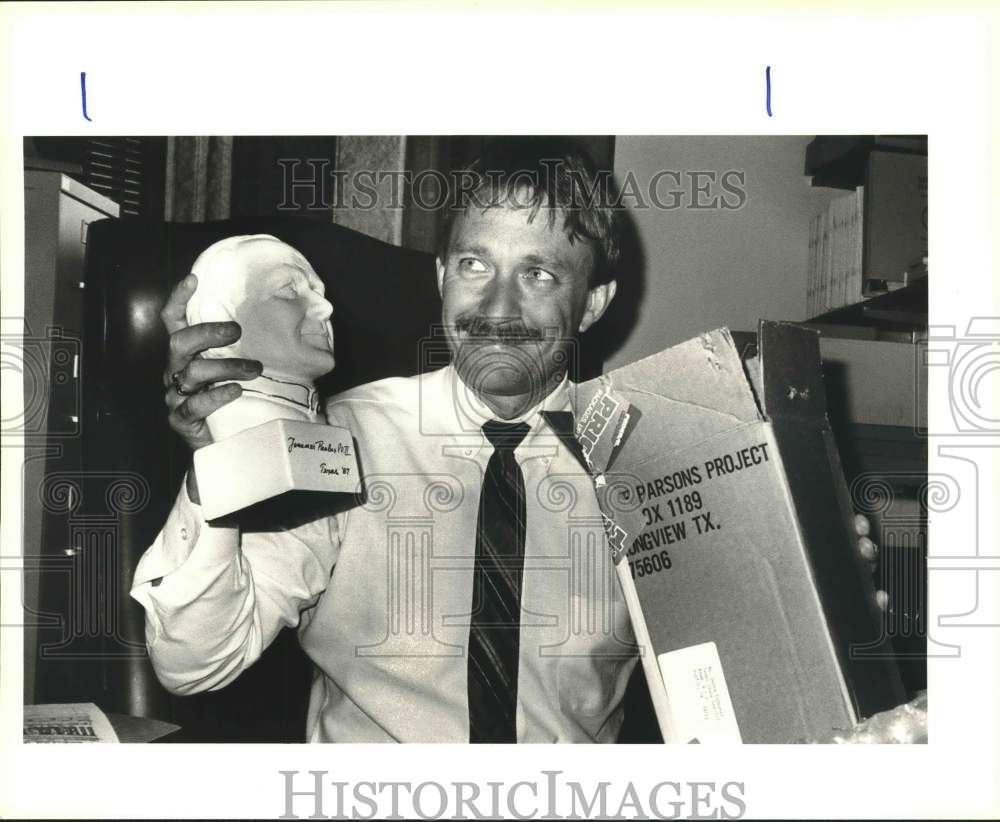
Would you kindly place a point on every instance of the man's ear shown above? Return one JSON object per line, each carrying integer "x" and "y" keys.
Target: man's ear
{"x": 440, "y": 274}
{"x": 598, "y": 300}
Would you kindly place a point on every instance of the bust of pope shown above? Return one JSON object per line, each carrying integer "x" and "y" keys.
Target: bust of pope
{"x": 274, "y": 294}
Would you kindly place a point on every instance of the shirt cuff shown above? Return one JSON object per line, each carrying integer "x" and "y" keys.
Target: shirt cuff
{"x": 188, "y": 541}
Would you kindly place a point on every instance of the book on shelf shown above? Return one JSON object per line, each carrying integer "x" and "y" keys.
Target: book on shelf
{"x": 895, "y": 214}
{"x": 874, "y": 286}
{"x": 873, "y": 239}
{"x": 835, "y": 255}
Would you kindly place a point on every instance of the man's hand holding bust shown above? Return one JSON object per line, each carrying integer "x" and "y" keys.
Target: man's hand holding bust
{"x": 265, "y": 286}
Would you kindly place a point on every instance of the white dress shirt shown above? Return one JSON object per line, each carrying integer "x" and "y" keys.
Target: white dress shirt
{"x": 382, "y": 593}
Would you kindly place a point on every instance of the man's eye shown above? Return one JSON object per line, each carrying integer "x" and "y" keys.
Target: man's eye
{"x": 471, "y": 265}
{"x": 539, "y": 275}
{"x": 287, "y": 292}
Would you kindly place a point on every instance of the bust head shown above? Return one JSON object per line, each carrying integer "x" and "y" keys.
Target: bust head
{"x": 270, "y": 289}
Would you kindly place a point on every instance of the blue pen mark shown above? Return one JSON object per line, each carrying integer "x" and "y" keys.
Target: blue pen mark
{"x": 83, "y": 94}
{"x": 767, "y": 78}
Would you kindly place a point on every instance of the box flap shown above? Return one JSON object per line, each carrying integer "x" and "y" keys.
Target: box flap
{"x": 791, "y": 371}
{"x": 679, "y": 400}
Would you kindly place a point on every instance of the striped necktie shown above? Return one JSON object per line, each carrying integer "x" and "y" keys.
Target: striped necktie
{"x": 495, "y": 625}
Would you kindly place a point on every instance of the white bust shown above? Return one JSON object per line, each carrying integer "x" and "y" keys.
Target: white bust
{"x": 270, "y": 289}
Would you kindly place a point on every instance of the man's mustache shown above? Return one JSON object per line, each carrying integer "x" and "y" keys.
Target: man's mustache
{"x": 508, "y": 330}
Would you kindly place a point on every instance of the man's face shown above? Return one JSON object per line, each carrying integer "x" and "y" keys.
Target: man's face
{"x": 285, "y": 317}
{"x": 515, "y": 293}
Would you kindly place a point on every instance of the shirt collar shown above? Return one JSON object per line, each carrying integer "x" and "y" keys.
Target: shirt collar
{"x": 282, "y": 391}
{"x": 473, "y": 412}
{"x": 448, "y": 408}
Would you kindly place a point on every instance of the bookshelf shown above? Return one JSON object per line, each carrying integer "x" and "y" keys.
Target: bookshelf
{"x": 869, "y": 247}
{"x": 897, "y": 316}
{"x": 870, "y": 356}
{"x": 840, "y": 161}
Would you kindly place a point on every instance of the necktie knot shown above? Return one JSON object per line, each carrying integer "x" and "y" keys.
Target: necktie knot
{"x": 505, "y": 436}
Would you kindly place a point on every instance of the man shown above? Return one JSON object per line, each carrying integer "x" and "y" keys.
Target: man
{"x": 471, "y": 596}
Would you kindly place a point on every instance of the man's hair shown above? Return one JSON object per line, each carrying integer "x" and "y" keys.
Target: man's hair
{"x": 550, "y": 174}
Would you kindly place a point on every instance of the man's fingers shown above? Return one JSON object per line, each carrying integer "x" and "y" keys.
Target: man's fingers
{"x": 868, "y": 549}
{"x": 198, "y": 406}
{"x": 188, "y": 342}
{"x": 202, "y": 371}
{"x": 173, "y": 313}
{"x": 862, "y": 527}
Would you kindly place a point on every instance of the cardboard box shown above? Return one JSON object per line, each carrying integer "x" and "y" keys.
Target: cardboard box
{"x": 895, "y": 218}
{"x": 733, "y": 531}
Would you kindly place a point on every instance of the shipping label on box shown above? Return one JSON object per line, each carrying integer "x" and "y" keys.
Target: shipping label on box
{"x": 728, "y": 516}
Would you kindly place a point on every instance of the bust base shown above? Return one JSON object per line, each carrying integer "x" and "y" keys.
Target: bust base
{"x": 272, "y": 458}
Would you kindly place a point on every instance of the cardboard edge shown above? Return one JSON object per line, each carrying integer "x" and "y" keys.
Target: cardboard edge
{"x": 817, "y": 599}
{"x": 647, "y": 655}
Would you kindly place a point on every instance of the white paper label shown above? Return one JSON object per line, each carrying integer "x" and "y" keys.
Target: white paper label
{"x": 699, "y": 699}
